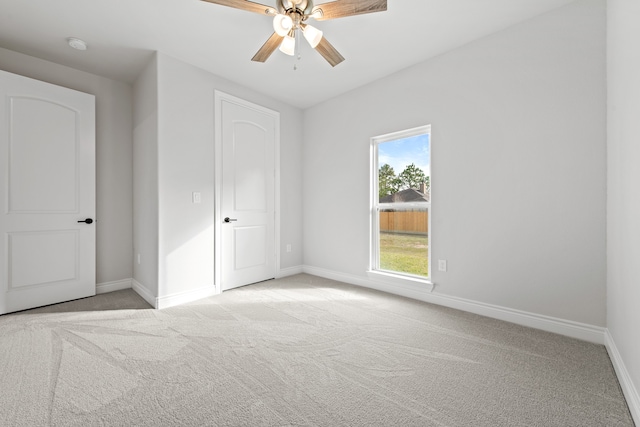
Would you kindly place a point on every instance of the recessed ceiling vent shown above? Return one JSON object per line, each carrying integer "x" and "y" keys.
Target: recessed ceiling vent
{"x": 77, "y": 43}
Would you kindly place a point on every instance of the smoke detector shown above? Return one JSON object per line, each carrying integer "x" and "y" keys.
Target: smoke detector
{"x": 77, "y": 43}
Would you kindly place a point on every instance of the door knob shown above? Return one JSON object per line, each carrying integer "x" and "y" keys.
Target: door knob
{"x": 227, "y": 219}
{"x": 88, "y": 221}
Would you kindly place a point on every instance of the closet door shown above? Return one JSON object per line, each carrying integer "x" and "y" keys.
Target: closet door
{"x": 246, "y": 161}
{"x": 47, "y": 193}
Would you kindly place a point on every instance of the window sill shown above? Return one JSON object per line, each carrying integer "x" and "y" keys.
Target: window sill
{"x": 397, "y": 279}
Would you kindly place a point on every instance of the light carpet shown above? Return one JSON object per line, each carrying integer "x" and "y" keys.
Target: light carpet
{"x": 298, "y": 351}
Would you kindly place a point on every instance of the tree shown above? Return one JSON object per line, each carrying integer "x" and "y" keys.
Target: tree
{"x": 386, "y": 179}
{"x": 411, "y": 177}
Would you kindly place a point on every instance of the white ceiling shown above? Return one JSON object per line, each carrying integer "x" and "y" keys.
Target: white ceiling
{"x": 122, "y": 34}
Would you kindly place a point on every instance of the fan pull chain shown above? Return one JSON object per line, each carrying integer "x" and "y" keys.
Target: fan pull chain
{"x": 297, "y": 49}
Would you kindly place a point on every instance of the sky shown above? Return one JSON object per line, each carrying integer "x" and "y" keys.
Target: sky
{"x": 402, "y": 152}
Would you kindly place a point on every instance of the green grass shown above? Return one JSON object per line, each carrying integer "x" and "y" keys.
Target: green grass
{"x": 404, "y": 253}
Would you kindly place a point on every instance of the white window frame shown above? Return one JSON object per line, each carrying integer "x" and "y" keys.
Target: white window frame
{"x": 375, "y": 205}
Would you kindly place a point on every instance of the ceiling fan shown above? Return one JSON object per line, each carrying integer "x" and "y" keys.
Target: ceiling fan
{"x": 289, "y": 19}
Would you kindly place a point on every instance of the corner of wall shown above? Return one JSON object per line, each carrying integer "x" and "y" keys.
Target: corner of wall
{"x": 145, "y": 180}
{"x": 626, "y": 383}
{"x": 145, "y": 293}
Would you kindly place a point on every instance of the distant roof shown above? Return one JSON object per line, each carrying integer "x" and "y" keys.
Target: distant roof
{"x": 405, "y": 196}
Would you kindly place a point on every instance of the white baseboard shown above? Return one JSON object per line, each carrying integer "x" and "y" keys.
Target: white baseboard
{"x": 291, "y": 271}
{"x": 568, "y": 328}
{"x": 117, "y": 285}
{"x": 144, "y": 293}
{"x": 626, "y": 383}
{"x": 173, "y": 299}
{"x": 184, "y": 297}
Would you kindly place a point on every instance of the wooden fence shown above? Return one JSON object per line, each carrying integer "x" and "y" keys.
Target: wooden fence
{"x": 408, "y": 222}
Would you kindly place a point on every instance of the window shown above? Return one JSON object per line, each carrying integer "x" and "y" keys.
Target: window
{"x": 401, "y": 203}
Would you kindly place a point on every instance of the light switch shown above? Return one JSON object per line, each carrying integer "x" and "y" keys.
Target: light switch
{"x": 196, "y": 197}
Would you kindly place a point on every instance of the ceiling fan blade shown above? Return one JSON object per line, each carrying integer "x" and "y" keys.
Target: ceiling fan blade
{"x": 329, "y": 52}
{"x": 342, "y": 8}
{"x": 247, "y": 5}
{"x": 267, "y": 48}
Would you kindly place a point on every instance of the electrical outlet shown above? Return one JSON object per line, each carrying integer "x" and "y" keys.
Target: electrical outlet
{"x": 289, "y": 247}
{"x": 196, "y": 197}
{"x": 442, "y": 265}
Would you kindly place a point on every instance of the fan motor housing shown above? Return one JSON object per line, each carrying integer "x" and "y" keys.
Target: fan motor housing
{"x": 304, "y": 7}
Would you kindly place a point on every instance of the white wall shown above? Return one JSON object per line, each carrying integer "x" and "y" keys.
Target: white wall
{"x": 113, "y": 156}
{"x": 518, "y": 172}
{"x": 145, "y": 178}
{"x": 623, "y": 215}
{"x": 185, "y": 164}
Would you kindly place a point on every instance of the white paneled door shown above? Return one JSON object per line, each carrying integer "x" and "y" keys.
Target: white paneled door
{"x": 246, "y": 215}
{"x": 47, "y": 193}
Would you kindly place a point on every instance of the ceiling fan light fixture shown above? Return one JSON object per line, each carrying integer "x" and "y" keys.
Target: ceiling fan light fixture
{"x": 282, "y": 24}
{"x": 288, "y": 45}
{"x": 312, "y": 34}
{"x": 290, "y": 16}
